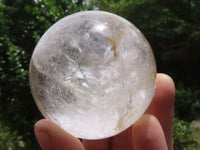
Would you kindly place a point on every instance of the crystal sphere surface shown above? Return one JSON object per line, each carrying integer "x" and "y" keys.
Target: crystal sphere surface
{"x": 93, "y": 73}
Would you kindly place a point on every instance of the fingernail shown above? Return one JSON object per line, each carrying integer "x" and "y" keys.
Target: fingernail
{"x": 43, "y": 139}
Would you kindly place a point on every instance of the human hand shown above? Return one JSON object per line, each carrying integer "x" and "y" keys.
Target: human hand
{"x": 153, "y": 131}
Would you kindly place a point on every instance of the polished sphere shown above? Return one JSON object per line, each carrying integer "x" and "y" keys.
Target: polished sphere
{"x": 93, "y": 73}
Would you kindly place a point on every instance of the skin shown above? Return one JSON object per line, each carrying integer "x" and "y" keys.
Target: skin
{"x": 153, "y": 131}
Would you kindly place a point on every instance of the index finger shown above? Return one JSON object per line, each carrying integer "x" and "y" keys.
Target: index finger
{"x": 162, "y": 105}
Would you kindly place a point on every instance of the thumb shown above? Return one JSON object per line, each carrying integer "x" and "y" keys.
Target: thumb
{"x": 51, "y": 137}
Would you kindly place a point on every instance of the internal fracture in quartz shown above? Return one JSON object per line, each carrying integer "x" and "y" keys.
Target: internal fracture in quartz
{"x": 93, "y": 73}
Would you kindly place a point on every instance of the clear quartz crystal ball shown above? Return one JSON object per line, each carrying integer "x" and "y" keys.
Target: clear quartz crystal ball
{"x": 93, "y": 73}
